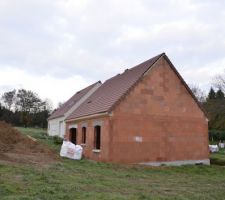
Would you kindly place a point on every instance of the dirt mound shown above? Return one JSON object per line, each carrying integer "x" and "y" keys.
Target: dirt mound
{"x": 19, "y": 148}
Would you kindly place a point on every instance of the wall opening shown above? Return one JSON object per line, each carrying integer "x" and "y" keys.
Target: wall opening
{"x": 83, "y": 141}
{"x": 97, "y": 137}
{"x": 73, "y": 135}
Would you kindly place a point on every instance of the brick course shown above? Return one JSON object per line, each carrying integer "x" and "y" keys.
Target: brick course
{"x": 158, "y": 120}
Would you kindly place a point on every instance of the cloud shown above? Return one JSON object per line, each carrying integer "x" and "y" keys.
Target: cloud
{"x": 96, "y": 39}
{"x": 58, "y": 89}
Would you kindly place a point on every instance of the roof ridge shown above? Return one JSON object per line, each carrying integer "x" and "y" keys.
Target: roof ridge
{"x": 64, "y": 104}
{"x": 128, "y": 69}
{"x": 159, "y": 55}
{"x": 155, "y": 57}
{"x": 113, "y": 90}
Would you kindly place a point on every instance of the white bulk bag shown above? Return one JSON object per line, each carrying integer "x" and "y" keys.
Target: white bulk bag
{"x": 213, "y": 148}
{"x": 221, "y": 145}
{"x": 70, "y": 150}
{"x": 78, "y": 152}
{"x": 63, "y": 150}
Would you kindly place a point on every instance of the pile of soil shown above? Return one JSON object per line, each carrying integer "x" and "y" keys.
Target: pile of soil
{"x": 18, "y": 148}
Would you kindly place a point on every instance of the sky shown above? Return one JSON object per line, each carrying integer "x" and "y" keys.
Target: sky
{"x": 57, "y": 47}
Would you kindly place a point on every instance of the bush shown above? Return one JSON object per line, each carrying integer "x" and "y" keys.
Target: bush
{"x": 57, "y": 140}
{"x": 217, "y": 161}
{"x": 215, "y": 135}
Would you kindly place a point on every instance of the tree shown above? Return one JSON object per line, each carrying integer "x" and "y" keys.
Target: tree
{"x": 60, "y": 104}
{"x": 48, "y": 105}
{"x": 215, "y": 108}
{"x": 28, "y": 102}
{"x": 219, "y": 94}
{"x": 212, "y": 94}
{"x": 219, "y": 81}
{"x": 199, "y": 94}
{"x": 29, "y": 110}
{"x": 9, "y": 98}
{"x": 1, "y": 111}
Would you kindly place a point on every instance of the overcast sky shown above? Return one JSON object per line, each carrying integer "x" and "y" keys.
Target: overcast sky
{"x": 56, "y": 47}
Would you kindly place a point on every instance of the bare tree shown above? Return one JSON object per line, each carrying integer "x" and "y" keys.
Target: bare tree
{"x": 219, "y": 82}
{"x": 198, "y": 92}
{"x": 60, "y": 104}
{"x": 9, "y": 98}
{"x": 48, "y": 105}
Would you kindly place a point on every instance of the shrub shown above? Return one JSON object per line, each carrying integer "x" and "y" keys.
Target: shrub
{"x": 57, "y": 140}
{"x": 217, "y": 161}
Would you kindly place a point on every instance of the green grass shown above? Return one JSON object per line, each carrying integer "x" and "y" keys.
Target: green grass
{"x": 41, "y": 135}
{"x": 85, "y": 179}
{"x": 218, "y": 158}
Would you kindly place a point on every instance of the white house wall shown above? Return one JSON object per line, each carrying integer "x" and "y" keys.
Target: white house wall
{"x": 56, "y": 127}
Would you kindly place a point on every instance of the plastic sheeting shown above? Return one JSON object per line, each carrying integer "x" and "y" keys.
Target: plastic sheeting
{"x": 70, "y": 150}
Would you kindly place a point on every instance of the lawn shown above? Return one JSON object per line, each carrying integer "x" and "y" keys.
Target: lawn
{"x": 218, "y": 158}
{"x": 85, "y": 179}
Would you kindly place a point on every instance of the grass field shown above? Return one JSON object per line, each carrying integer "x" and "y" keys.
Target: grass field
{"x": 85, "y": 179}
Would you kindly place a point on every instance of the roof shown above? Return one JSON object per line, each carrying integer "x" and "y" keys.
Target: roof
{"x": 112, "y": 90}
{"x": 71, "y": 102}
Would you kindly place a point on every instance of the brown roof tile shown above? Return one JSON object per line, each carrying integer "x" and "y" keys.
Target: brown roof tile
{"x": 112, "y": 90}
{"x": 71, "y": 102}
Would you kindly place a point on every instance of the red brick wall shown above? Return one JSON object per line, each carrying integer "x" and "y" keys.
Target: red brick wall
{"x": 161, "y": 113}
{"x": 103, "y": 155}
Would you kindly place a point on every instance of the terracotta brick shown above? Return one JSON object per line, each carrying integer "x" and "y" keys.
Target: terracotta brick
{"x": 172, "y": 125}
{"x": 157, "y": 121}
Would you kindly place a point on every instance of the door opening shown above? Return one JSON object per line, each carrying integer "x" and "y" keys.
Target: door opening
{"x": 73, "y": 135}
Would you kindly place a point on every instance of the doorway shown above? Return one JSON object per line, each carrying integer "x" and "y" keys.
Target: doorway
{"x": 73, "y": 135}
{"x": 97, "y": 137}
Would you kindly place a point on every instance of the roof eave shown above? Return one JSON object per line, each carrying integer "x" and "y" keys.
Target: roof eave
{"x": 186, "y": 85}
{"x": 88, "y": 116}
{"x": 51, "y": 118}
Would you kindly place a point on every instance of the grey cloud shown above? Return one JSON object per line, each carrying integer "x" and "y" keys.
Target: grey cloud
{"x": 97, "y": 39}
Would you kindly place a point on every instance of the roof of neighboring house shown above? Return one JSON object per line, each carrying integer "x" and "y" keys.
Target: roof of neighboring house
{"x": 112, "y": 90}
{"x": 72, "y": 101}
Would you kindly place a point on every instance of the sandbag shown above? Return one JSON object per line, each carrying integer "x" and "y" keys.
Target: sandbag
{"x": 70, "y": 150}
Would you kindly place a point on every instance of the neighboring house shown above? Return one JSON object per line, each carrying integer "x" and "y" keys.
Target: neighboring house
{"x": 145, "y": 115}
{"x": 56, "y": 122}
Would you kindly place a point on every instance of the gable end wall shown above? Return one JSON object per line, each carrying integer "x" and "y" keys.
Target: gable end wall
{"x": 159, "y": 121}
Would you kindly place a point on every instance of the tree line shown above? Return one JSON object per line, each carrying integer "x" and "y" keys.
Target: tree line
{"x": 24, "y": 108}
{"x": 214, "y": 106}
{"x": 213, "y": 103}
